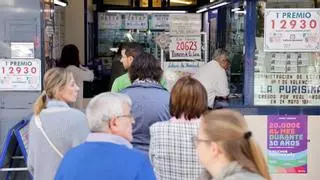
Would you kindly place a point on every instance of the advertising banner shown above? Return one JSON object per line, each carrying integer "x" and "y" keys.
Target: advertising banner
{"x": 287, "y": 143}
{"x": 292, "y": 30}
{"x": 284, "y": 89}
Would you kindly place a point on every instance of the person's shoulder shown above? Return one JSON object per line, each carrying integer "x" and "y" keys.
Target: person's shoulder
{"x": 74, "y": 115}
{"x": 120, "y": 83}
{"x": 158, "y": 126}
{"x": 123, "y": 77}
{"x": 138, "y": 155}
{"x": 245, "y": 175}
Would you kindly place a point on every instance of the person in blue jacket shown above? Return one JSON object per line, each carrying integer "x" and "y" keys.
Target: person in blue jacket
{"x": 107, "y": 152}
{"x": 150, "y": 100}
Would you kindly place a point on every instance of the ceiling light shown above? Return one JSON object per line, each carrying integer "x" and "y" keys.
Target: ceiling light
{"x": 181, "y": 2}
{"x": 60, "y": 3}
{"x": 202, "y": 10}
{"x": 218, "y": 5}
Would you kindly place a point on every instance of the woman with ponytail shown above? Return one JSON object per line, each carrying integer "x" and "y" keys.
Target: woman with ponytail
{"x": 227, "y": 149}
{"x": 55, "y": 126}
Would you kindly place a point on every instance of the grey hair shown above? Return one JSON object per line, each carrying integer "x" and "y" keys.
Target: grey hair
{"x": 218, "y": 53}
{"x": 103, "y": 107}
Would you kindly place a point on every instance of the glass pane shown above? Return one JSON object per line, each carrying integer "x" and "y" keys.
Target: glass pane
{"x": 182, "y": 2}
{"x": 284, "y": 77}
{"x": 117, "y": 2}
{"x": 234, "y": 45}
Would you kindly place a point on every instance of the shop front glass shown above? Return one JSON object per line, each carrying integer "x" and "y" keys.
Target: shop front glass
{"x": 287, "y": 58}
{"x": 227, "y": 31}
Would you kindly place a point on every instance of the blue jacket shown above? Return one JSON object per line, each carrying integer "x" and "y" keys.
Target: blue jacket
{"x": 150, "y": 104}
{"x": 104, "y": 160}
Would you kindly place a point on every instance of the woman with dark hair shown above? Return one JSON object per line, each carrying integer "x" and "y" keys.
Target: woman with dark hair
{"x": 171, "y": 150}
{"x": 70, "y": 60}
{"x": 150, "y": 99}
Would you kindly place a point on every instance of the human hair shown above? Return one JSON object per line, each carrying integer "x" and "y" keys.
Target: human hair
{"x": 55, "y": 80}
{"x": 145, "y": 66}
{"x": 69, "y": 56}
{"x": 218, "y": 53}
{"x": 188, "y": 98}
{"x": 229, "y": 129}
{"x": 104, "y": 107}
{"x": 132, "y": 49}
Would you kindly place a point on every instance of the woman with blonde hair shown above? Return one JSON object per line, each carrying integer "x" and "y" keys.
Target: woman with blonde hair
{"x": 227, "y": 150}
{"x": 55, "y": 126}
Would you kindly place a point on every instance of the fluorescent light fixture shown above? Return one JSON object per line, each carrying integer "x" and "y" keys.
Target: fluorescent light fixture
{"x": 240, "y": 12}
{"x": 219, "y": 5}
{"x": 202, "y": 10}
{"x": 149, "y": 12}
{"x": 181, "y": 2}
{"x": 235, "y": 9}
{"x": 60, "y": 3}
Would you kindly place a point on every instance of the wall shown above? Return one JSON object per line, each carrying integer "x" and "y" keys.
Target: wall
{"x": 258, "y": 125}
{"x": 74, "y": 26}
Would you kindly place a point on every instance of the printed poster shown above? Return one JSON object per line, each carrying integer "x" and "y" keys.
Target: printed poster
{"x": 185, "y": 24}
{"x": 292, "y": 30}
{"x": 287, "y": 89}
{"x": 287, "y": 143}
{"x": 20, "y": 74}
{"x": 136, "y": 21}
{"x": 185, "y": 47}
{"x": 109, "y": 21}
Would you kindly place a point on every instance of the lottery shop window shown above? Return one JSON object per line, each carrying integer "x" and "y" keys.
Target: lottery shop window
{"x": 287, "y": 59}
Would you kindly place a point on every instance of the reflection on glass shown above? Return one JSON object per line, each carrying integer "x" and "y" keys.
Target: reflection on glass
{"x": 22, "y": 50}
{"x": 182, "y": 2}
{"x": 284, "y": 78}
{"x": 117, "y": 2}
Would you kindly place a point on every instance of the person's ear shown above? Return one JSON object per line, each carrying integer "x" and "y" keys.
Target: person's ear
{"x": 215, "y": 149}
{"x": 113, "y": 125}
{"x": 130, "y": 59}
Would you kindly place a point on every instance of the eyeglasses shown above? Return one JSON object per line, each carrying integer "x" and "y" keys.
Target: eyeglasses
{"x": 196, "y": 141}
{"x": 127, "y": 116}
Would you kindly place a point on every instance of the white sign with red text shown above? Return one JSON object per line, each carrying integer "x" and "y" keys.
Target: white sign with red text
{"x": 20, "y": 74}
{"x": 185, "y": 47}
{"x": 294, "y": 30}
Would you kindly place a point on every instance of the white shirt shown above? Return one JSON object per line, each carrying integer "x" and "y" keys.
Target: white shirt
{"x": 80, "y": 75}
{"x": 214, "y": 78}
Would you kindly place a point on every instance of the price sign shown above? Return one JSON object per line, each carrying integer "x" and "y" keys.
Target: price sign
{"x": 294, "y": 30}
{"x": 185, "y": 47}
{"x": 109, "y": 21}
{"x": 20, "y": 74}
{"x": 136, "y": 21}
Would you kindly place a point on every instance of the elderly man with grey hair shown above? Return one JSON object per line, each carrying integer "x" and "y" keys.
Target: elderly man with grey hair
{"x": 213, "y": 77}
{"x": 107, "y": 152}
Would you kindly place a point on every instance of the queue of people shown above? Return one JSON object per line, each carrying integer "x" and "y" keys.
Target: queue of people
{"x": 139, "y": 130}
